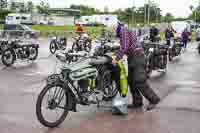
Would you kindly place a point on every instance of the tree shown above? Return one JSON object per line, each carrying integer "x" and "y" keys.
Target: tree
{"x": 106, "y": 9}
{"x": 43, "y": 7}
{"x": 3, "y": 4}
{"x": 22, "y": 7}
{"x": 168, "y": 17}
{"x": 13, "y": 6}
{"x": 30, "y": 6}
{"x": 85, "y": 10}
{"x": 191, "y": 7}
{"x": 4, "y": 13}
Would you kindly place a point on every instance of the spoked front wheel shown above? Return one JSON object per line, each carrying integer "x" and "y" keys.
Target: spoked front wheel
{"x": 53, "y": 47}
{"x": 88, "y": 46}
{"x": 53, "y": 99}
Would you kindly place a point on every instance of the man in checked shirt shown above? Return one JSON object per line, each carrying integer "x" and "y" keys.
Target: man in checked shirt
{"x": 136, "y": 68}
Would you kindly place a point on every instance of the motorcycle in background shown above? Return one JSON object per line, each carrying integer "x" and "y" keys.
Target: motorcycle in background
{"x": 57, "y": 43}
{"x": 175, "y": 49}
{"x": 16, "y": 50}
{"x": 82, "y": 43}
{"x": 156, "y": 57}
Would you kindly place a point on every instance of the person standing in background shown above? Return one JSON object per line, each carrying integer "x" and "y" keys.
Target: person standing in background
{"x": 185, "y": 38}
{"x": 79, "y": 29}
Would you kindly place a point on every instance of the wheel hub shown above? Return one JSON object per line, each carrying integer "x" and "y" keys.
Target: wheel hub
{"x": 52, "y": 104}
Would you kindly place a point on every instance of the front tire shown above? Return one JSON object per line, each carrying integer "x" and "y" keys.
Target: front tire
{"x": 39, "y": 113}
{"x": 8, "y": 57}
{"x": 75, "y": 47}
{"x": 88, "y": 46}
{"x": 53, "y": 47}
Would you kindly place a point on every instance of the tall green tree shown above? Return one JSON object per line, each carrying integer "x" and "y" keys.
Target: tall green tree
{"x": 13, "y": 6}
{"x": 43, "y": 7}
{"x": 168, "y": 17}
{"x": 22, "y": 7}
{"x": 3, "y": 4}
{"x": 30, "y": 6}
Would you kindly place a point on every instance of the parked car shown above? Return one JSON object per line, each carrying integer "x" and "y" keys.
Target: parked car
{"x": 19, "y": 30}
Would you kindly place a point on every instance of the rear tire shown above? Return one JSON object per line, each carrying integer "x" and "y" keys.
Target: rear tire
{"x": 111, "y": 85}
{"x": 35, "y": 49}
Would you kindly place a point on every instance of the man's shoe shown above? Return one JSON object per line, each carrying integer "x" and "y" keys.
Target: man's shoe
{"x": 151, "y": 106}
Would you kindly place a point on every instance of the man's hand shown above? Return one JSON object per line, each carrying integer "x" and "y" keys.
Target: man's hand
{"x": 114, "y": 61}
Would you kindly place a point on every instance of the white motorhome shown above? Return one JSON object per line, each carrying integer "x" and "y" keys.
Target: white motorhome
{"x": 108, "y": 20}
{"x": 17, "y": 18}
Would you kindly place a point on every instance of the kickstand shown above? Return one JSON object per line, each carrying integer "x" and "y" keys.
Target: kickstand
{"x": 98, "y": 103}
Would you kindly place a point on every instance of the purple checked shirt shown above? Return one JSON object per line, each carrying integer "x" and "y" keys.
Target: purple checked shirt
{"x": 129, "y": 44}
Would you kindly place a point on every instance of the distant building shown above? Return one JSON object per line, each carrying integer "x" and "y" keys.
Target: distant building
{"x": 63, "y": 16}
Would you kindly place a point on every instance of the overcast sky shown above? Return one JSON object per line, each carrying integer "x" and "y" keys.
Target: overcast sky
{"x": 177, "y": 7}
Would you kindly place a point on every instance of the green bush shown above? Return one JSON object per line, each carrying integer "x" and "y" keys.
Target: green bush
{"x": 3, "y": 14}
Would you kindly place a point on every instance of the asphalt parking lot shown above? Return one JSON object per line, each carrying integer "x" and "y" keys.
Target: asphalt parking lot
{"x": 178, "y": 88}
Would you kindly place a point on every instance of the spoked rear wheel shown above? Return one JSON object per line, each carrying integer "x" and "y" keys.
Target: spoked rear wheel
{"x": 56, "y": 100}
{"x": 33, "y": 53}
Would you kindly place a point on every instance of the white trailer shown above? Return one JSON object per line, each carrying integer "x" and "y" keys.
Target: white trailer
{"x": 18, "y": 18}
{"x": 108, "y": 20}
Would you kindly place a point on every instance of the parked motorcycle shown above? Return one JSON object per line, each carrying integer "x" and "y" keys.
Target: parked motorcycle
{"x": 16, "y": 51}
{"x": 175, "y": 49}
{"x": 88, "y": 81}
{"x": 57, "y": 43}
{"x": 156, "y": 57}
{"x": 82, "y": 43}
{"x": 3, "y": 45}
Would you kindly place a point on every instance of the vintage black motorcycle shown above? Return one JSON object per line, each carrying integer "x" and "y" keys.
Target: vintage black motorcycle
{"x": 88, "y": 81}
{"x": 16, "y": 51}
{"x": 82, "y": 43}
{"x": 156, "y": 57}
{"x": 57, "y": 43}
{"x": 175, "y": 49}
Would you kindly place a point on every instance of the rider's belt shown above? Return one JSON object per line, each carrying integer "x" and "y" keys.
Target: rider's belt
{"x": 133, "y": 51}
